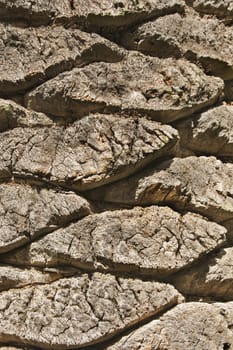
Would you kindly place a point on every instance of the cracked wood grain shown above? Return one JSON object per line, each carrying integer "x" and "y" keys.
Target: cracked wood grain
{"x": 196, "y": 326}
{"x": 14, "y": 277}
{"x": 214, "y": 278}
{"x": 180, "y": 36}
{"x": 103, "y": 16}
{"x": 79, "y": 311}
{"x": 13, "y": 115}
{"x": 198, "y": 184}
{"x": 93, "y": 151}
{"x": 210, "y": 132}
{"x": 154, "y": 241}
{"x": 27, "y": 212}
{"x": 30, "y": 56}
{"x": 166, "y": 90}
{"x": 105, "y": 209}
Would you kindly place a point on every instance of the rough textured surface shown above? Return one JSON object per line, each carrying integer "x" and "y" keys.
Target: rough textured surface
{"x": 165, "y": 89}
{"x": 176, "y": 35}
{"x": 37, "y": 12}
{"x": 199, "y": 184}
{"x": 13, "y": 277}
{"x": 210, "y": 132}
{"x": 198, "y": 326}
{"x": 109, "y": 15}
{"x": 221, "y": 8}
{"x": 30, "y": 56}
{"x": 81, "y": 310}
{"x": 93, "y": 151}
{"x": 91, "y": 15}
{"x": 13, "y": 115}
{"x": 154, "y": 240}
{"x": 116, "y": 174}
{"x": 214, "y": 279}
{"x": 27, "y": 212}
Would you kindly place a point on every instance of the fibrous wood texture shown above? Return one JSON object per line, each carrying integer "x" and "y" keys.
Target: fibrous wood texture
{"x": 116, "y": 175}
